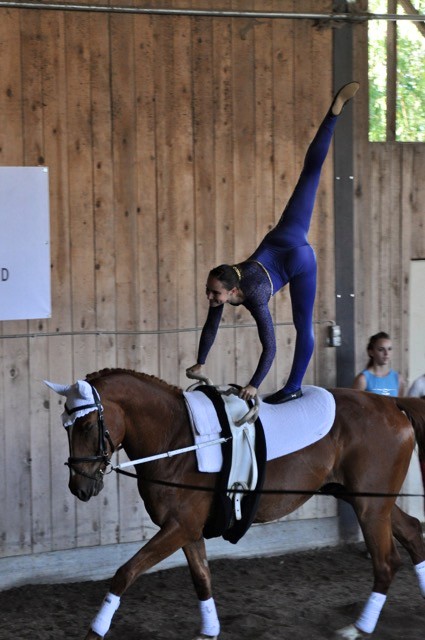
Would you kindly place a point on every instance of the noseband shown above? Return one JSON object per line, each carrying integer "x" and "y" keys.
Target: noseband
{"x": 104, "y": 437}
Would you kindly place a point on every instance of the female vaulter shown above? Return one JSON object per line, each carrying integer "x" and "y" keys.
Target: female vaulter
{"x": 284, "y": 256}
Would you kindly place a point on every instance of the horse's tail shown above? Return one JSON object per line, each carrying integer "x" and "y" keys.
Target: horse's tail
{"x": 414, "y": 408}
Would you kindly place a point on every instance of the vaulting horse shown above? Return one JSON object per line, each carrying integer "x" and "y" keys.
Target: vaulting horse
{"x": 363, "y": 460}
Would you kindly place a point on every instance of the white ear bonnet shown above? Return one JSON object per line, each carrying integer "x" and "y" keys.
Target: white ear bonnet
{"x": 79, "y": 394}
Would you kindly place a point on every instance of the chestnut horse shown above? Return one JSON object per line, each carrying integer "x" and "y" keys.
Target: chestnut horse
{"x": 366, "y": 452}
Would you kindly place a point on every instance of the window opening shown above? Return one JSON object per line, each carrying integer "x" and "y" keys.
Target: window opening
{"x": 396, "y": 73}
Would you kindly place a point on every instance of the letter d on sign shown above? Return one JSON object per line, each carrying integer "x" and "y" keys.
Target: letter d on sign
{"x": 4, "y": 274}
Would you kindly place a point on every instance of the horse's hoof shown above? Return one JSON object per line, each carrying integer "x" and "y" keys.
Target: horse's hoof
{"x": 350, "y": 633}
{"x": 202, "y": 636}
{"x": 92, "y": 635}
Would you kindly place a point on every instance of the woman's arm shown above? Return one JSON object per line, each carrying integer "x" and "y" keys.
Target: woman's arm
{"x": 360, "y": 382}
{"x": 209, "y": 332}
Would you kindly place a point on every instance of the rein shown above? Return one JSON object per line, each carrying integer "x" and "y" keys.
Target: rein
{"x": 104, "y": 438}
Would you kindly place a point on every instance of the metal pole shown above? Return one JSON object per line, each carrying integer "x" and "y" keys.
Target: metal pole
{"x": 344, "y": 210}
{"x": 217, "y": 13}
{"x": 344, "y": 239}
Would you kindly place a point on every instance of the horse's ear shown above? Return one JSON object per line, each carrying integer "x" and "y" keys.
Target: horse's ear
{"x": 83, "y": 389}
{"x": 62, "y": 389}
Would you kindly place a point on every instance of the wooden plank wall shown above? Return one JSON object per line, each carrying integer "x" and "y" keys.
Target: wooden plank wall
{"x": 389, "y": 234}
{"x": 389, "y": 227}
{"x": 389, "y": 217}
{"x": 173, "y": 144}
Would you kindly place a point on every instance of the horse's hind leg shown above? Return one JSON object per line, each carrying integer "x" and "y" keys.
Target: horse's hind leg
{"x": 408, "y": 531}
{"x": 196, "y": 556}
{"x": 375, "y": 521}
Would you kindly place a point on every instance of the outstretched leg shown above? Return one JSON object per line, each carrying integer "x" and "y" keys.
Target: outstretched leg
{"x": 293, "y": 227}
{"x": 297, "y": 258}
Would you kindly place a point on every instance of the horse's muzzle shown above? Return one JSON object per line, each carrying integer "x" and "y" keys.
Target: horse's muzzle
{"x": 85, "y": 488}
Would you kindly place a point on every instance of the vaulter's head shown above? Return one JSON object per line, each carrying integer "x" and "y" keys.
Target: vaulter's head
{"x": 222, "y": 285}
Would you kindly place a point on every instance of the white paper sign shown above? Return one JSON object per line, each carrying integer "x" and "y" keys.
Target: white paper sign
{"x": 24, "y": 243}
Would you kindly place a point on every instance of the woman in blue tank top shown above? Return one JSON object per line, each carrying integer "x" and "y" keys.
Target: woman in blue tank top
{"x": 378, "y": 377}
{"x": 284, "y": 256}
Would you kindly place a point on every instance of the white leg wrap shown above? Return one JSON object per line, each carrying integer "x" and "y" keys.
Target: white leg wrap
{"x": 210, "y": 625}
{"x": 420, "y": 572}
{"x": 370, "y": 614}
{"x": 102, "y": 621}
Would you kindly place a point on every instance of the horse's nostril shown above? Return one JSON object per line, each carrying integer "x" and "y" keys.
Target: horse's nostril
{"x": 80, "y": 493}
{"x": 89, "y": 490}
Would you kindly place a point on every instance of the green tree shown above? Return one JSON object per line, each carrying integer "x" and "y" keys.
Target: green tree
{"x": 410, "y": 123}
{"x": 410, "y": 101}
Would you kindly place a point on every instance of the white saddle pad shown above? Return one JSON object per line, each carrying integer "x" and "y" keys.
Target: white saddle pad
{"x": 288, "y": 427}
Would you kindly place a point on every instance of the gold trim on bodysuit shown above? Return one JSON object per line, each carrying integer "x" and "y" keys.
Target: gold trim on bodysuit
{"x": 266, "y": 272}
{"x": 237, "y": 271}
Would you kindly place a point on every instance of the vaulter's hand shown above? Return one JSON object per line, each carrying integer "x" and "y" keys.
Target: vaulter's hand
{"x": 248, "y": 393}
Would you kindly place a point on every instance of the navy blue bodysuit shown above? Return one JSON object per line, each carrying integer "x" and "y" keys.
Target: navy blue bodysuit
{"x": 284, "y": 256}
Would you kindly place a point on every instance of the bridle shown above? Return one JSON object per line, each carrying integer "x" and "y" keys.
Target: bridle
{"x": 103, "y": 438}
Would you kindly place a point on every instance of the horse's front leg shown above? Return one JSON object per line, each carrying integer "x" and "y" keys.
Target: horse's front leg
{"x": 196, "y": 557}
{"x": 163, "y": 544}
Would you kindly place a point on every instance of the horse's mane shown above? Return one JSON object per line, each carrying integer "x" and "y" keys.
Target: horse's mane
{"x": 96, "y": 375}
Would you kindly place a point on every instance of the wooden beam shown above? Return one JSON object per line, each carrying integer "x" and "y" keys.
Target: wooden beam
{"x": 391, "y": 73}
{"x": 409, "y": 8}
{"x": 343, "y": 207}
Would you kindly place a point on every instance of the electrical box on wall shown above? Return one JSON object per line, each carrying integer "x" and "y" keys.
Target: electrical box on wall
{"x": 334, "y": 336}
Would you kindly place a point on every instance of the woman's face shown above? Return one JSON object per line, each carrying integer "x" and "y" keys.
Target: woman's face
{"x": 217, "y": 293}
{"x": 381, "y": 352}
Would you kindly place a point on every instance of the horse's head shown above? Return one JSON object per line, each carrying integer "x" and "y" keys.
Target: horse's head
{"x": 90, "y": 445}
